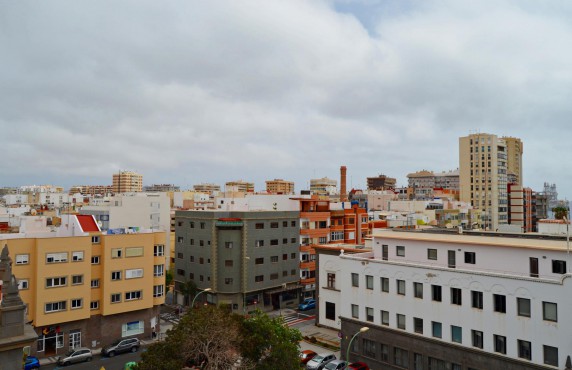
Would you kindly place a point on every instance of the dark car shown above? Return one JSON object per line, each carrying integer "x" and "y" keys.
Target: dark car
{"x": 121, "y": 346}
{"x": 32, "y": 363}
{"x": 335, "y": 365}
{"x": 306, "y": 355}
{"x": 74, "y": 356}
{"x": 358, "y": 366}
{"x": 308, "y": 304}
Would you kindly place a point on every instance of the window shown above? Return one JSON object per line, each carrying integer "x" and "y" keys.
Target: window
{"x": 400, "y": 321}
{"x": 432, "y": 254}
{"x": 436, "y": 292}
{"x": 274, "y": 225}
{"x": 259, "y": 261}
{"x": 384, "y": 252}
{"x": 95, "y": 260}
{"x": 202, "y": 225}
{"x": 159, "y": 250}
{"x": 158, "y": 270}
{"x": 456, "y": 296}
{"x": 259, "y": 243}
{"x": 550, "y": 355}
{"x": 259, "y": 225}
{"x": 274, "y": 259}
{"x": 385, "y": 318}
{"x": 400, "y": 251}
{"x": 95, "y": 239}
{"x": 355, "y": 311}
{"x": 94, "y": 305}
{"x": 56, "y": 257}
{"x": 400, "y": 287}
{"x": 55, "y": 306}
{"x": 369, "y": 314}
{"x": 384, "y": 352}
{"x": 401, "y": 357}
{"x": 524, "y": 349}
{"x": 355, "y": 279}
{"x": 549, "y": 311}
{"x": 228, "y": 263}
{"x": 134, "y": 252}
{"x": 192, "y": 225}
{"x": 385, "y": 285}
{"x": 228, "y": 281}
{"x": 76, "y": 303}
{"x": 470, "y": 257}
{"x": 477, "y": 299}
{"x": 116, "y": 253}
{"x": 285, "y": 257}
{"x": 331, "y": 280}
{"x": 436, "y": 328}
{"x": 132, "y": 328}
{"x": 180, "y": 255}
{"x": 499, "y": 303}
{"x": 293, "y": 223}
{"x": 115, "y": 298}
{"x": 292, "y": 240}
{"x": 274, "y": 276}
{"x": 284, "y": 223}
{"x": 417, "y": 361}
{"x": 274, "y": 242}
{"x": 523, "y": 307}
{"x": 477, "y": 337}
{"x": 369, "y": 348}
{"x": 95, "y": 283}
{"x": 130, "y": 296}
{"x": 179, "y": 272}
{"x": 293, "y": 272}
{"x": 133, "y": 273}
{"x": 558, "y": 267}
{"x": 179, "y": 239}
{"x": 259, "y": 278}
{"x": 293, "y": 256}
{"x": 330, "y": 311}
{"x": 56, "y": 282}
{"x": 23, "y": 284}
{"x": 201, "y": 243}
{"x": 418, "y": 290}
{"x": 116, "y": 275}
{"x": 369, "y": 282}
{"x": 500, "y": 344}
{"x": 418, "y": 325}
{"x": 22, "y": 259}
{"x": 77, "y": 279}
{"x": 456, "y": 334}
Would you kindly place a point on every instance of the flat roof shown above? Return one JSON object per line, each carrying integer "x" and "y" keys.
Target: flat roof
{"x": 500, "y": 240}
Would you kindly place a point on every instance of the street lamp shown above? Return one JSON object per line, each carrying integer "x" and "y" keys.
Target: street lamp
{"x": 198, "y": 294}
{"x": 362, "y": 330}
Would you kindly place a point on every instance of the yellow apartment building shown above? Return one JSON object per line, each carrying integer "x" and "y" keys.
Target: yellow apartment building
{"x": 84, "y": 287}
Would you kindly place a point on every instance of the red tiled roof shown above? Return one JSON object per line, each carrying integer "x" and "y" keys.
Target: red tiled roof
{"x": 87, "y": 223}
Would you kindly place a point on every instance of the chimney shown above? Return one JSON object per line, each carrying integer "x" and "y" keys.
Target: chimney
{"x": 343, "y": 191}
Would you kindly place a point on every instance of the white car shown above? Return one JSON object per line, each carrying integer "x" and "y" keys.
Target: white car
{"x": 319, "y": 361}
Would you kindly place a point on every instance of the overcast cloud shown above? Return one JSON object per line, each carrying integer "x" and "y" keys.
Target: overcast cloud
{"x": 210, "y": 91}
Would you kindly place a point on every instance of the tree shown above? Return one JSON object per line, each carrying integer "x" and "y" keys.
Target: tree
{"x": 169, "y": 278}
{"x": 560, "y": 212}
{"x": 188, "y": 289}
{"x": 269, "y": 343}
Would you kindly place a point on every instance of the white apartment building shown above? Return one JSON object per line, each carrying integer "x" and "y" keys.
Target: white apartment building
{"x": 449, "y": 301}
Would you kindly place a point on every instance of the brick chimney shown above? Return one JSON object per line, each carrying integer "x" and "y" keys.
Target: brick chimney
{"x": 343, "y": 189}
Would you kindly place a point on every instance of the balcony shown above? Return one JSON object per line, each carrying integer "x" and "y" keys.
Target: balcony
{"x": 308, "y": 265}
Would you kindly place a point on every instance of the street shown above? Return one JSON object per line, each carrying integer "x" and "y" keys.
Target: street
{"x": 113, "y": 363}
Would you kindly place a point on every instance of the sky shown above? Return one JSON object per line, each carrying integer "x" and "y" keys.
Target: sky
{"x": 186, "y": 92}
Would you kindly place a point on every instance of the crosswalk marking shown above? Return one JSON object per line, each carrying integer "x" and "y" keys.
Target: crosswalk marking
{"x": 296, "y": 319}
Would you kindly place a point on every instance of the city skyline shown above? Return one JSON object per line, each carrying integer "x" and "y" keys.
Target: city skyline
{"x": 191, "y": 92}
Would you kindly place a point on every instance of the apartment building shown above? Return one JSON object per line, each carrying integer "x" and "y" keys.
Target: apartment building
{"x": 86, "y": 287}
{"x": 249, "y": 259}
{"x": 209, "y": 188}
{"x": 240, "y": 186}
{"x": 127, "y": 181}
{"x": 436, "y": 300}
{"x": 484, "y": 164}
{"x": 91, "y": 189}
{"x": 381, "y": 182}
{"x": 323, "y": 186}
{"x": 279, "y": 186}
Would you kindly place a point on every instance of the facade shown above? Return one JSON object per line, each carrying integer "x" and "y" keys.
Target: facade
{"x": 85, "y": 287}
{"x": 91, "y": 189}
{"x": 483, "y": 168}
{"x": 207, "y": 188}
{"x": 155, "y": 188}
{"x": 514, "y": 149}
{"x": 279, "y": 186}
{"x": 240, "y": 186}
{"x": 520, "y": 207}
{"x": 381, "y": 182}
{"x": 436, "y": 300}
{"x": 249, "y": 259}
{"x": 127, "y": 182}
{"x": 323, "y": 186}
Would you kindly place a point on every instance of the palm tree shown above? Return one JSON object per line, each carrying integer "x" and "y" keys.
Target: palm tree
{"x": 560, "y": 212}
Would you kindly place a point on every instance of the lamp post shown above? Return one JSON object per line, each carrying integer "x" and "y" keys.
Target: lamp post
{"x": 362, "y": 330}
{"x": 198, "y": 294}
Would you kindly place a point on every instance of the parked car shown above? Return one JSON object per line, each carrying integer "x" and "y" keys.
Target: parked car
{"x": 336, "y": 365}
{"x": 308, "y": 304}
{"x": 319, "y": 361}
{"x": 358, "y": 366}
{"x": 306, "y": 355}
{"x": 121, "y": 346}
{"x": 32, "y": 363}
{"x": 74, "y": 356}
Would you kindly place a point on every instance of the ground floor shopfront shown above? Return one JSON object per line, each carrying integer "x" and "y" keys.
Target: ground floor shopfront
{"x": 98, "y": 331}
